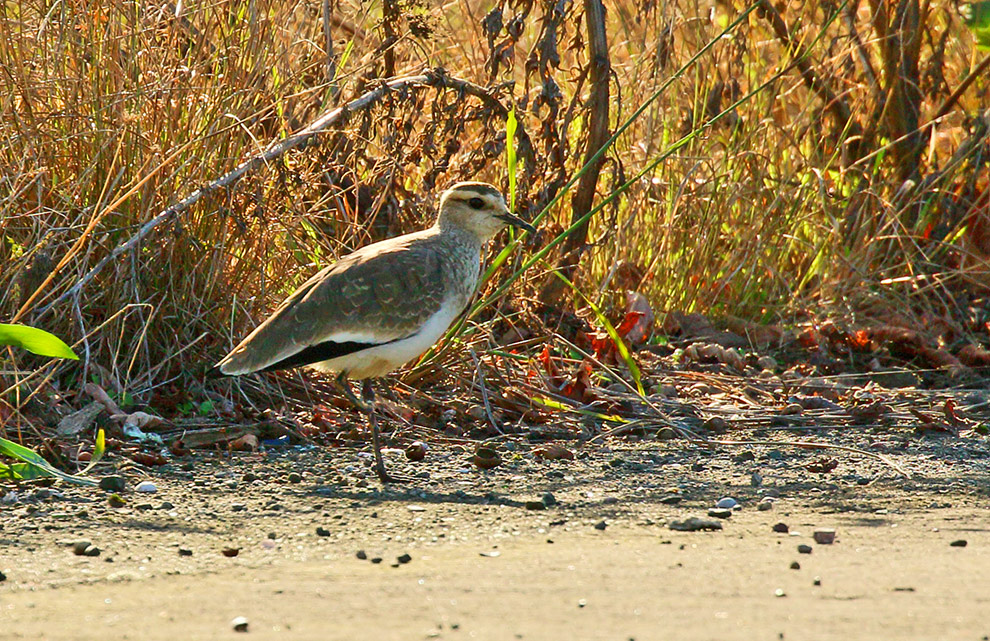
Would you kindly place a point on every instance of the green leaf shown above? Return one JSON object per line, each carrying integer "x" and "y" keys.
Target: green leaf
{"x": 36, "y": 461}
{"x": 205, "y": 408}
{"x": 98, "y": 450}
{"x": 977, "y": 18}
{"x": 36, "y": 341}
{"x": 511, "y": 124}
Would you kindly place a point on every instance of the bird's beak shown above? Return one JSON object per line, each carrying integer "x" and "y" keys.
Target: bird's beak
{"x": 516, "y": 221}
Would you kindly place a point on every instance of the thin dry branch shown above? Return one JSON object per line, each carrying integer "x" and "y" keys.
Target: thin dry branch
{"x": 437, "y": 78}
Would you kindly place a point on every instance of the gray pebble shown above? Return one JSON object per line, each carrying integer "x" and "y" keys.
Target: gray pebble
{"x": 720, "y": 513}
{"x": 147, "y": 487}
{"x": 961, "y": 543}
{"x": 405, "y": 558}
{"x": 781, "y": 528}
{"x": 239, "y": 624}
{"x": 694, "y": 524}
{"x": 549, "y": 500}
{"x": 535, "y": 505}
{"x": 804, "y": 549}
{"x": 764, "y": 505}
{"x": 601, "y": 525}
{"x": 113, "y": 484}
{"x": 728, "y": 503}
{"x": 824, "y": 536}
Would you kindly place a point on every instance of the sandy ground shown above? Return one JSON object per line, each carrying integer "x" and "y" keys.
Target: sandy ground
{"x": 483, "y": 566}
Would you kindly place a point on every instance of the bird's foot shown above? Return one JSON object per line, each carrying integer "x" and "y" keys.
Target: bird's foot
{"x": 385, "y": 477}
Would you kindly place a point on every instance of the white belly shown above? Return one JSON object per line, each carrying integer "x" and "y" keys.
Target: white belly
{"x": 382, "y": 359}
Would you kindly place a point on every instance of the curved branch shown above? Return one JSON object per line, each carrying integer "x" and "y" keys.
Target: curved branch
{"x": 436, "y": 78}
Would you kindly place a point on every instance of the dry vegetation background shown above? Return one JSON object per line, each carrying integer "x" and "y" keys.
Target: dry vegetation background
{"x": 777, "y": 162}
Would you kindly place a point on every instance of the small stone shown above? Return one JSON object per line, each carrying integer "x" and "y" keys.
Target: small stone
{"x": 144, "y": 506}
{"x": 113, "y": 484}
{"x": 361, "y": 554}
{"x": 610, "y": 500}
{"x": 781, "y": 528}
{"x": 230, "y": 552}
{"x": 961, "y": 543}
{"x": 745, "y": 456}
{"x": 779, "y": 593}
{"x": 824, "y": 536}
{"x": 804, "y": 549}
{"x": 239, "y": 624}
{"x": 322, "y": 531}
{"x": 795, "y": 565}
{"x": 185, "y": 552}
{"x": 416, "y": 451}
{"x": 719, "y": 513}
{"x": 237, "y": 507}
{"x": 549, "y": 500}
{"x": 671, "y": 499}
{"x": 249, "y": 477}
{"x": 728, "y": 503}
{"x": 166, "y": 506}
{"x": 817, "y": 581}
{"x": 79, "y": 547}
{"x": 294, "y": 477}
{"x": 91, "y": 550}
{"x": 601, "y": 525}
{"x": 764, "y": 505}
{"x": 694, "y": 524}
{"x": 756, "y": 479}
{"x": 147, "y": 487}
{"x": 376, "y": 560}
{"x": 114, "y": 500}
{"x": 535, "y": 505}
{"x": 3, "y": 577}
{"x": 404, "y": 558}
{"x": 582, "y": 603}
{"x": 666, "y": 434}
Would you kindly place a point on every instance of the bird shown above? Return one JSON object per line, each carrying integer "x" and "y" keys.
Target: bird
{"x": 382, "y": 306}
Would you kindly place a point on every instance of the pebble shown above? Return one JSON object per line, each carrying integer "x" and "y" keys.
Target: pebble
{"x": 322, "y": 531}
{"x": 146, "y": 486}
{"x": 961, "y": 543}
{"x": 817, "y": 581}
{"x": 144, "y": 506}
{"x": 535, "y": 505}
{"x": 804, "y": 549}
{"x": 249, "y": 477}
{"x": 671, "y": 499}
{"x": 376, "y": 560}
{"x": 601, "y": 525}
{"x": 610, "y": 500}
{"x": 824, "y": 536}
{"x": 239, "y": 624}
{"x": 237, "y": 507}
{"x": 764, "y": 505}
{"x": 185, "y": 552}
{"x": 795, "y": 565}
{"x": 666, "y": 434}
{"x": 744, "y": 456}
{"x": 294, "y": 477}
{"x": 694, "y": 524}
{"x": 115, "y": 501}
{"x": 756, "y": 479}
{"x": 404, "y": 558}
{"x": 728, "y": 503}
{"x": 3, "y": 577}
{"x": 79, "y": 547}
{"x": 779, "y": 592}
{"x": 361, "y": 554}
{"x": 549, "y": 500}
{"x": 720, "y": 513}
{"x": 781, "y": 528}
{"x": 166, "y": 506}
{"x": 113, "y": 484}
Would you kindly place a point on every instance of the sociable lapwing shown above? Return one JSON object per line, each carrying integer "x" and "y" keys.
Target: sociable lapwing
{"x": 382, "y": 306}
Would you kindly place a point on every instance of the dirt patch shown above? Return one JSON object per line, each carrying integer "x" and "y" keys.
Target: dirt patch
{"x": 598, "y": 561}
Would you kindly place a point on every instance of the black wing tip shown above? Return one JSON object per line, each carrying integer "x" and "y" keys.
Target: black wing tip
{"x": 214, "y": 373}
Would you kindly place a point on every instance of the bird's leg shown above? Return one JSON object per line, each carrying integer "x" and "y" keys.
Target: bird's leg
{"x": 368, "y": 396}
{"x": 345, "y": 387}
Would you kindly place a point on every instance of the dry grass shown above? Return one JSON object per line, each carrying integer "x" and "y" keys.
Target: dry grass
{"x": 773, "y": 205}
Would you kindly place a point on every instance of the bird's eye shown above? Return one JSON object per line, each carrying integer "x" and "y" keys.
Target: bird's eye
{"x": 476, "y": 203}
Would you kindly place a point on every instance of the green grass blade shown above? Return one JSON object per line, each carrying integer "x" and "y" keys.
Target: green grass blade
{"x": 37, "y": 341}
{"x": 35, "y": 460}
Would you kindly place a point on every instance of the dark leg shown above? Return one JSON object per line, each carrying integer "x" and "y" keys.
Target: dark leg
{"x": 368, "y": 396}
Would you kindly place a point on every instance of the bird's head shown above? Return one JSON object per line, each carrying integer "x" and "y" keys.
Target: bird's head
{"x": 478, "y": 208}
